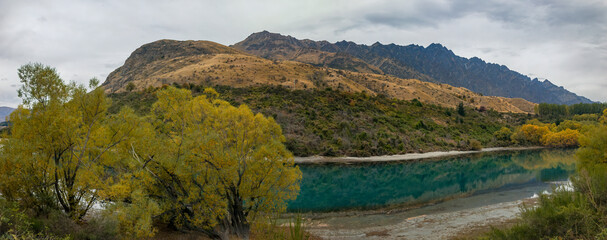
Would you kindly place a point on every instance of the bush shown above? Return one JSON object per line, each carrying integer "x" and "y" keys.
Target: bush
{"x": 16, "y": 223}
{"x": 566, "y": 138}
{"x": 530, "y": 134}
{"x": 475, "y": 145}
{"x": 563, "y": 214}
{"x": 503, "y": 134}
{"x": 13, "y": 219}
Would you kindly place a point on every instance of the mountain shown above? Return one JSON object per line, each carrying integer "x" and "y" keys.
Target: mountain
{"x": 322, "y": 53}
{"x": 5, "y": 112}
{"x": 434, "y": 63}
{"x": 206, "y": 63}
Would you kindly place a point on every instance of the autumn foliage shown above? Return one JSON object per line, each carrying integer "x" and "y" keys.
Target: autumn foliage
{"x": 193, "y": 164}
{"x": 565, "y": 138}
{"x": 536, "y": 133}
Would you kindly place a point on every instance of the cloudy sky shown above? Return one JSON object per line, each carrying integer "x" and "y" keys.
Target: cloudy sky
{"x": 561, "y": 40}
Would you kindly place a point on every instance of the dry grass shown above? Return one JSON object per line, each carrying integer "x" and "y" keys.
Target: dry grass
{"x": 475, "y": 232}
{"x": 242, "y": 70}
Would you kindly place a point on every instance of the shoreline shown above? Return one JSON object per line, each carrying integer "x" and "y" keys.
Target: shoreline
{"x": 404, "y": 157}
{"x": 449, "y": 219}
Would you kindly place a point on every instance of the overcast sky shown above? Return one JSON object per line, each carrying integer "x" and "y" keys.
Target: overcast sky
{"x": 561, "y": 40}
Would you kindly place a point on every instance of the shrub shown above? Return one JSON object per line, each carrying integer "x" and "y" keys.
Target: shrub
{"x": 529, "y": 133}
{"x": 503, "y": 134}
{"x": 568, "y": 124}
{"x": 566, "y": 138}
{"x": 130, "y": 87}
{"x": 474, "y": 145}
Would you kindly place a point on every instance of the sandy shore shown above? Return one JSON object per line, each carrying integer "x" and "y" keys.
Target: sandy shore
{"x": 402, "y": 157}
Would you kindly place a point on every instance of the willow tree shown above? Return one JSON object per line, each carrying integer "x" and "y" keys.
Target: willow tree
{"x": 256, "y": 172}
{"x": 208, "y": 166}
{"x": 59, "y": 149}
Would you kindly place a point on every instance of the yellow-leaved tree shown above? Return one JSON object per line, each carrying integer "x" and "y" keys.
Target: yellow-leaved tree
{"x": 593, "y": 150}
{"x": 256, "y": 172}
{"x": 530, "y": 133}
{"x": 59, "y": 152}
{"x": 565, "y": 138}
{"x": 207, "y": 166}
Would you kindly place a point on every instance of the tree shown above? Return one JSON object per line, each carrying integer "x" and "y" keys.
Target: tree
{"x": 61, "y": 144}
{"x": 460, "y": 109}
{"x": 503, "y": 134}
{"x": 256, "y": 172}
{"x": 603, "y": 118}
{"x": 568, "y": 124}
{"x": 130, "y": 87}
{"x": 594, "y": 145}
{"x": 530, "y": 133}
{"x": 208, "y": 166}
{"x": 565, "y": 138}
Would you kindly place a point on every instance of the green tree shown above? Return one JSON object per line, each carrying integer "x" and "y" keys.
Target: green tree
{"x": 503, "y": 134}
{"x": 61, "y": 144}
{"x": 461, "y": 110}
{"x": 130, "y": 87}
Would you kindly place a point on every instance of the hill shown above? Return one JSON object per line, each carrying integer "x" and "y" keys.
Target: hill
{"x": 434, "y": 63}
{"x": 336, "y": 123}
{"x": 206, "y": 63}
{"x": 5, "y": 112}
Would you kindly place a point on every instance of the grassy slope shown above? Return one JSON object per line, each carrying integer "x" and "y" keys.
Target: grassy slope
{"x": 332, "y": 123}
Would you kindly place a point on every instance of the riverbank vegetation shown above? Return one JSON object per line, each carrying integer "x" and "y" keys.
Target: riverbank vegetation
{"x": 577, "y": 214}
{"x": 69, "y": 169}
{"x": 333, "y": 123}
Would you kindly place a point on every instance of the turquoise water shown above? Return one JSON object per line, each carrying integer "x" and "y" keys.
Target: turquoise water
{"x": 332, "y": 187}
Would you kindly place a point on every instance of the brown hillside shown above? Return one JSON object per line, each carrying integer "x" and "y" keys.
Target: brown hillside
{"x": 321, "y": 53}
{"x": 201, "y": 62}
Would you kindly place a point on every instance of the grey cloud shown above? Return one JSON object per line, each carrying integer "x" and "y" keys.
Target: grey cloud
{"x": 555, "y": 39}
{"x": 576, "y": 12}
{"x": 399, "y": 21}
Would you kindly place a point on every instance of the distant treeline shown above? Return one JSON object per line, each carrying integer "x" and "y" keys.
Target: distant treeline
{"x": 557, "y": 112}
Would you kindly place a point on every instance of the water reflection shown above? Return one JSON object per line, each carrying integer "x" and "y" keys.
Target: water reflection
{"x": 335, "y": 187}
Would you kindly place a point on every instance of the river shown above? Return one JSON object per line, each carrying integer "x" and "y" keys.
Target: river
{"x": 334, "y": 187}
{"x": 415, "y": 198}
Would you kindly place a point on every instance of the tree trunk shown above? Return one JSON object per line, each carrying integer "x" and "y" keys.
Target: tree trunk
{"x": 236, "y": 222}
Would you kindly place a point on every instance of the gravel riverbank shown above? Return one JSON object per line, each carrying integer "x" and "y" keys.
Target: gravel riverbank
{"x": 445, "y": 220}
{"x": 403, "y": 157}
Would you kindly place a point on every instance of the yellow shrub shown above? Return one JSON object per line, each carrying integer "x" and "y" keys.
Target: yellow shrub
{"x": 565, "y": 138}
{"x": 531, "y": 133}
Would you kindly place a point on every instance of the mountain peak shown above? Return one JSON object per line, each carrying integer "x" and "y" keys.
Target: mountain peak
{"x": 434, "y": 63}
{"x": 376, "y": 44}
{"x": 436, "y": 45}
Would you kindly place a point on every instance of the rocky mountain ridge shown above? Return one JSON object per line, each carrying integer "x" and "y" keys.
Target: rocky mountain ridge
{"x": 434, "y": 63}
